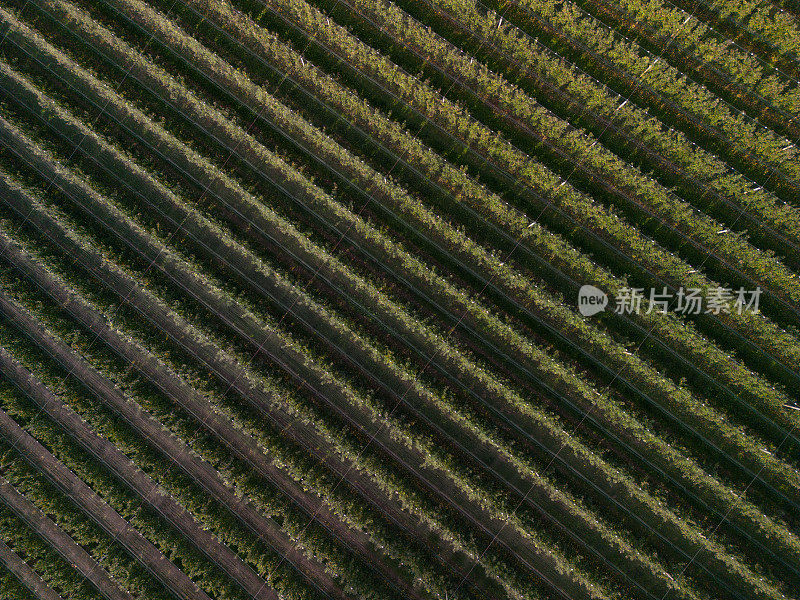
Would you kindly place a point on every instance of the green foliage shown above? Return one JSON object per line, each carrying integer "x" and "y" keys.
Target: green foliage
{"x": 213, "y": 206}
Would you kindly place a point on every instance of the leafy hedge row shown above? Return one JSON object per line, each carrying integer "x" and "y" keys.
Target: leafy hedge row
{"x": 723, "y": 129}
{"x": 226, "y": 255}
{"x": 19, "y": 580}
{"x": 287, "y": 125}
{"x": 101, "y": 443}
{"x": 595, "y": 220}
{"x": 256, "y": 474}
{"x": 93, "y": 552}
{"x": 630, "y": 130}
{"x": 429, "y": 164}
{"x": 740, "y": 75}
{"x": 368, "y": 295}
{"x": 50, "y": 565}
{"x": 288, "y": 244}
{"x": 759, "y": 20}
{"x": 14, "y": 496}
{"x": 173, "y": 450}
{"x": 357, "y": 411}
{"x": 131, "y": 325}
{"x": 583, "y": 155}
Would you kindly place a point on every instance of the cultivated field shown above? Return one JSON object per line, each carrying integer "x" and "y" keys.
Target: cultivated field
{"x": 455, "y": 299}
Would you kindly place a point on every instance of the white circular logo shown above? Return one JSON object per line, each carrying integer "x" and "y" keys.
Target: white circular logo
{"x": 591, "y": 300}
